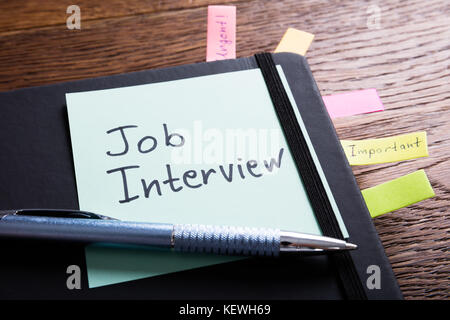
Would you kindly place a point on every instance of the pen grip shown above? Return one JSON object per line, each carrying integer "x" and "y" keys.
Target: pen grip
{"x": 227, "y": 240}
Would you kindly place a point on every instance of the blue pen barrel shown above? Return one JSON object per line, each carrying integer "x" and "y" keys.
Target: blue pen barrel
{"x": 228, "y": 240}
{"x": 86, "y": 230}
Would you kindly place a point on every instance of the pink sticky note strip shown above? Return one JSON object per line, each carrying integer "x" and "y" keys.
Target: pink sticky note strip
{"x": 351, "y": 103}
{"x": 221, "y": 36}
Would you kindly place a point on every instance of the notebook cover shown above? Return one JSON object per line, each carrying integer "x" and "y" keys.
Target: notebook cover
{"x": 37, "y": 172}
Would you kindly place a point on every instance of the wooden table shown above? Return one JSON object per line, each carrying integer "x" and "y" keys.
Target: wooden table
{"x": 405, "y": 57}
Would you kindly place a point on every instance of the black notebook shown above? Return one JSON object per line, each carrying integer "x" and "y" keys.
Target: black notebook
{"x": 50, "y": 159}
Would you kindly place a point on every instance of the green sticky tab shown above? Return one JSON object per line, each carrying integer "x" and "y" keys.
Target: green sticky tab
{"x": 397, "y": 193}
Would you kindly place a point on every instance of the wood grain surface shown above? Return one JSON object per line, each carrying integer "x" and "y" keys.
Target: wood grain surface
{"x": 406, "y": 59}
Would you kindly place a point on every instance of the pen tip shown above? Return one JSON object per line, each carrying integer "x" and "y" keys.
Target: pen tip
{"x": 350, "y": 246}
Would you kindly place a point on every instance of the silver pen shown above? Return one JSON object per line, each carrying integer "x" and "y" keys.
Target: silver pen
{"x": 74, "y": 225}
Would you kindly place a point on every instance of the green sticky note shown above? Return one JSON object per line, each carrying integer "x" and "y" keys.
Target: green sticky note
{"x": 203, "y": 150}
{"x": 114, "y": 263}
{"x": 398, "y": 193}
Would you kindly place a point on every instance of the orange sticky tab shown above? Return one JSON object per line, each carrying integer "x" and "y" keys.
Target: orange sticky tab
{"x": 295, "y": 41}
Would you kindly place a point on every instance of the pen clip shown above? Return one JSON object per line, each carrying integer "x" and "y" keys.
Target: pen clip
{"x": 61, "y": 213}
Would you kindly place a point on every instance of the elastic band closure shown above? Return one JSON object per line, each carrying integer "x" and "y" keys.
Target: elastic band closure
{"x": 308, "y": 172}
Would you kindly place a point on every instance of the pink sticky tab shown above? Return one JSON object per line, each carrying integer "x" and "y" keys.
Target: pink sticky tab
{"x": 221, "y": 36}
{"x": 351, "y": 103}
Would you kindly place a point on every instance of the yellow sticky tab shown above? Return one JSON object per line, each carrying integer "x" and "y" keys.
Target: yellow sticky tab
{"x": 295, "y": 41}
{"x": 397, "y": 193}
{"x": 391, "y": 149}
